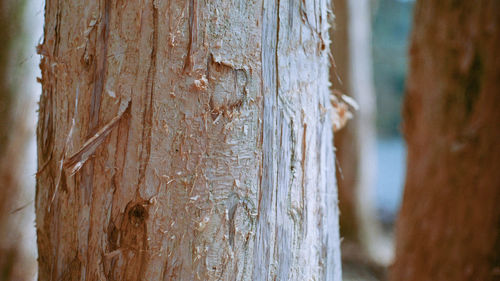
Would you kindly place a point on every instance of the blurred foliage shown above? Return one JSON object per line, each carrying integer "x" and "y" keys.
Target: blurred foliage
{"x": 392, "y": 21}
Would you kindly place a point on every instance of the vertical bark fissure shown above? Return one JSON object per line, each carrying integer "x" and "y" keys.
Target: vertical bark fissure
{"x": 148, "y": 110}
{"x": 54, "y": 268}
{"x": 87, "y": 174}
{"x": 188, "y": 63}
{"x": 276, "y": 55}
{"x": 57, "y": 30}
{"x": 100, "y": 70}
{"x": 276, "y": 152}
{"x": 303, "y": 183}
{"x": 269, "y": 56}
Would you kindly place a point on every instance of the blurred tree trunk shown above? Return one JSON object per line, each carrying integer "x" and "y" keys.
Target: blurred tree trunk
{"x": 356, "y": 144}
{"x": 14, "y": 134}
{"x": 448, "y": 228}
{"x": 186, "y": 140}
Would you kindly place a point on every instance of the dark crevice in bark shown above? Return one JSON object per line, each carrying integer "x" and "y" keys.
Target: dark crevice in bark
{"x": 188, "y": 64}
{"x": 46, "y": 132}
{"x": 148, "y": 111}
{"x": 232, "y": 226}
{"x": 57, "y": 30}
{"x": 100, "y": 73}
{"x": 472, "y": 84}
{"x": 129, "y": 243}
{"x": 100, "y": 70}
{"x": 276, "y": 51}
{"x": 269, "y": 57}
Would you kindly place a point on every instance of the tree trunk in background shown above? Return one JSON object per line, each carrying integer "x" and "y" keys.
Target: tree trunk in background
{"x": 186, "y": 140}
{"x": 356, "y": 144}
{"x": 448, "y": 228}
{"x": 15, "y": 263}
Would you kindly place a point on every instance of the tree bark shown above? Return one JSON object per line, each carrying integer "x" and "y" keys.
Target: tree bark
{"x": 186, "y": 140}
{"x": 448, "y": 228}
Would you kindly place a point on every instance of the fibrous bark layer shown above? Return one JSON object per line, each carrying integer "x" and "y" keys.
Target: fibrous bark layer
{"x": 186, "y": 140}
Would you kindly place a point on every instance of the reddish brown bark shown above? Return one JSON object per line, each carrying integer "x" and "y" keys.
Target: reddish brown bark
{"x": 449, "y": 225}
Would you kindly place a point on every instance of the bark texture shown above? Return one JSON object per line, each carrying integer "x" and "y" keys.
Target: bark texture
{"x": 186, "y": 140}
{"x": 448, "y": 228}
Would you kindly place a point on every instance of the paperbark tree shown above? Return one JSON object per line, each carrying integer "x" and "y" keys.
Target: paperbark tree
{"x": 448, "y": 226}
{"x": 186, "y": 140}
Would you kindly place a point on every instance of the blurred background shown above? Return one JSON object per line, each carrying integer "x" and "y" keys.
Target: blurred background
{"x": 370, "y": 48}
{"x": 370, "y": 41}
{"x": 21, "y": 24}
{"x": 391, "y": 25}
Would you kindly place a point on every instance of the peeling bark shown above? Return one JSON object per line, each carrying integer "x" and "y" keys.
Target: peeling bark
{"x": 186, "y": 140}
{"x": 448, "y": 228}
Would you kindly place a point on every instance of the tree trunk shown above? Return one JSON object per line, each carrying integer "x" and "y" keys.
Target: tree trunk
{"x": 356, "y": 143}
{"x": 186, "y": 140}
{"x": 448, "y": 228}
